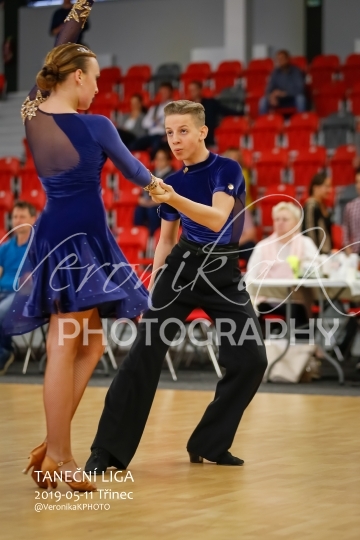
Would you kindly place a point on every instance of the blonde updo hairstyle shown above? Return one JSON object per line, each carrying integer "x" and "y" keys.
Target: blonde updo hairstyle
{"x": 60, "y": 62}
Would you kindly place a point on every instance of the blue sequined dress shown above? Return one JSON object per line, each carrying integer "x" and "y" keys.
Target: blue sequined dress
{"x": 73, "y": 261}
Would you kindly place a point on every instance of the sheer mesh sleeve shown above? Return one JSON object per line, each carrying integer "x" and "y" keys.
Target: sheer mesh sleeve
{"x": 69, "y": 33}
{"x": 106, "y": 135}
{"x": 74, "y": 22}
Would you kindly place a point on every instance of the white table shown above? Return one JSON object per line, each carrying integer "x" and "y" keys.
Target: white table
{"x": 324, "y": 288}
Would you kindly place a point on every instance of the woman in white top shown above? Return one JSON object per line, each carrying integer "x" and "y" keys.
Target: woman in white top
{"x": 284, "y": 254}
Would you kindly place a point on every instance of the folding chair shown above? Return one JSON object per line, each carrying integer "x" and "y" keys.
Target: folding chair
{"x": 200, "y": 316}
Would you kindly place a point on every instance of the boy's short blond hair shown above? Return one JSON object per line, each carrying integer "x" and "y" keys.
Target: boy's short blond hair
{"x": 184, "y": 106}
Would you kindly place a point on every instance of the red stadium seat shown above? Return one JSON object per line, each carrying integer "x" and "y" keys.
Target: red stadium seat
{"x": 342, "y": 165}
{"x": 36, "y": 197}
{"x": 4, "y": 237}
{"x": 337, "y": 234}
{"x": 124, "y": 210}
{"x": 195, "y": 71}
{"x": 135, "y": 79}
{"x": 323, "y": 69}
{"x": 126, "y": 202}
{"x": 108, "y": 198}
{"x": 307, "y": 163}
{"x": 353, "y": 101}
{"x": 6, "y": 206}
{"x": 105, "y": 104}
{"x": 301, "y": 130}
{"x": 264, "y": 133}
{"x": 144, "y": 157}
{"x": 273, "y": 195}
{"x": 328, "y": 98}
{"x": 326, "y": 60}
{"x": 351, "y": 71}
{"x": 133, "y": 243}
{"x": 300, "y": 62}
{"x": 128, "y": 188}
{"x": 257, "y": 73}
{"x": 9, "y": 170}
{"x": 226, "y": 74}
{"x": 230, "y": 131}
{"x": 269, "y": 167}
{"x": 110, "y": 99}
{"x": 110, "y": 79}
{"x": 252, "y": 103}
{"x": 28, "y": 178}
{"x": 107, "y": 174}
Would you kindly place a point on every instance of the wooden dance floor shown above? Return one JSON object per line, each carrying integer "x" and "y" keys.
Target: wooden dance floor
{"x": 300, "y": 479}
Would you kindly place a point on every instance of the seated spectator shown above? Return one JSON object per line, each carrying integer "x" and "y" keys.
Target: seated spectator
{"x": 351, "y": 221}
{"x": 285, "y": 88}
{"x": 11, "y": 254}
{"x": 214, "y": 110}
{"x": 346, "y": 195}
{"x": 146, "y": 212}
{"x": 281, "y": 256}
{"x": 154, "y": 124}
{"x": 130, "y": 125}
{"x": 317, "y": 216}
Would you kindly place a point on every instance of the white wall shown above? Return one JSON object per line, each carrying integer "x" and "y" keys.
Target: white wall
{"x": 235, "y": 46}
{"x": 341, "y": 26}
{"x": 280, "y": 24}
{"x": 137, "y": 31}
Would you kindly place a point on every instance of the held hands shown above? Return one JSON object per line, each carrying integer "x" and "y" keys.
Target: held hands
{"x": 163, "y": 193}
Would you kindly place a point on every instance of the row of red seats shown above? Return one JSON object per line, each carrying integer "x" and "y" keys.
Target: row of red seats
{"x": 327, "y": 99}
{"x": 269, "y": 167}
{"x": 298, "y": 133}
{"x": 321, "y": 71}
{"x": 272, "y": 167}
{"x": 137, "y": 77}
{"x": 109, "y": 103}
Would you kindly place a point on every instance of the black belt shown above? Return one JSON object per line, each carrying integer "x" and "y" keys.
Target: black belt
{"x": 202, "y": 250}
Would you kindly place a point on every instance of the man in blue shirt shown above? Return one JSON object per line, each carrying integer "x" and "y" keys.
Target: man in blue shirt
{"x": 285, "y": 87}
{"x": 11, "y": 254}
{"x": 199, "y": 271}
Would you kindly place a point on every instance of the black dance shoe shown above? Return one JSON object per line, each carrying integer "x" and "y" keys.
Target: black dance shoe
{"x": 100, "y": 460}
{"x": 224, "y": 459}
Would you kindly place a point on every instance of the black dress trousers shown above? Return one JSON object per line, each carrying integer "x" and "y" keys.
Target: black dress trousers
{"x": 189, "y": 281}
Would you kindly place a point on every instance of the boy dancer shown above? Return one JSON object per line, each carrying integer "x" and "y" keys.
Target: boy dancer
{"x": 208, "y": 196}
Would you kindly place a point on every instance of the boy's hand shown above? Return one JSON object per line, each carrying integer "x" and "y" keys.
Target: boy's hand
{"x": 166, "y": 196}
